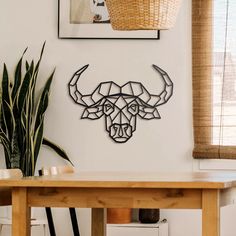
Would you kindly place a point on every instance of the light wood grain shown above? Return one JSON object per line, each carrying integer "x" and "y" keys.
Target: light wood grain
{"x": 101, "y": 190}
{"x": 98, "y": 226}
{"x": 115, "y": 198}
{"x": 189, "y": 180}
{"x": 210, "y": 212}
{"x": 20, "y": 212}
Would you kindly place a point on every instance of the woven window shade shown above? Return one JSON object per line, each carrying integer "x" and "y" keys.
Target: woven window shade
{"x": 214, "y": 78}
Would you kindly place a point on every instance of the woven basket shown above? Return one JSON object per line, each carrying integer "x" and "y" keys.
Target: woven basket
{"x": 142, "y": 14}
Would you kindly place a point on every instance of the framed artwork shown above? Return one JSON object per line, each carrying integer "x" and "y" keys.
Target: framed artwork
{"x": 89, "y": 19}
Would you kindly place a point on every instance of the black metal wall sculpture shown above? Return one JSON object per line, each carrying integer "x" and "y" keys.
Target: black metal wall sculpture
{"x": 120, "y": 104}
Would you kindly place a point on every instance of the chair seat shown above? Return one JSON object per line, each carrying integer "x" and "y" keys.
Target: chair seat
{"x": 4, "y": 221}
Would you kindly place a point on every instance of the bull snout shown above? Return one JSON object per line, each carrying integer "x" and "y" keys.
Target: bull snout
{"x": 120, "y": 133}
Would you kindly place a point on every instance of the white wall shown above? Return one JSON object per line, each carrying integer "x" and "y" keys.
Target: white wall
{"x": 157, "y": 145}
{"x": 29, "y": 23}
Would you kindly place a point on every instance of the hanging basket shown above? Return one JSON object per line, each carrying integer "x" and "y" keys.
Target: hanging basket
{"x": 142, "y": 14}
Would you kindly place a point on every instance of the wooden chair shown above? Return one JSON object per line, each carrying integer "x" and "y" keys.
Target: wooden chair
{"x": 57, "y": 170}
{"x": 5, "y": 199}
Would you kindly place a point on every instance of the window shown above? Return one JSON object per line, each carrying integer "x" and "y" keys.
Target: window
{"x": 214, "y": 78}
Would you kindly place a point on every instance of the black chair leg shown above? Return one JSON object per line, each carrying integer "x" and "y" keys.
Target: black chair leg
{"x": 74, "y": 222}
{"x": 49, "y": 216}
{"x": 50, "y": 221}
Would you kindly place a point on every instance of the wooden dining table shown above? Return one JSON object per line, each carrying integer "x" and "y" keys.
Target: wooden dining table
{"x": 100, "y": 190}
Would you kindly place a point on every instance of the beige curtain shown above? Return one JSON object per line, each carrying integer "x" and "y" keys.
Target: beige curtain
{"x": 214, "y": 78}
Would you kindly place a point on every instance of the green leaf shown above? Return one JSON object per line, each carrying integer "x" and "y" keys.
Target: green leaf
{"x": 57, "y": 149}
{"x": 7, "y": 147}
{"x": 35, "y": 74}
{"x": 20, "y": 129}
{"x": 9, "y": 119}
{"x": 41, "y": 108}
{"x": 31, "y": 68}
{"x": 33, "y": 160}
{"x": 24, "y": 89}
{"x": 17, "y": 79}
{"x": 15, "y": 160}
{"x": 5, "y": 86}
{"x": 43, "y": 102}
{"x": 14, "y": 142}
{"x": 38, "y": 138}
{"x": 4, "y": 138}
{"x": 22, "y": 121}
{"x": 27, "y": 65}
{"x": 7, "y": 157}
{"x": 39, "y": 61}
{"x": 2, "y": 122}
{"x": 5, "y": 99}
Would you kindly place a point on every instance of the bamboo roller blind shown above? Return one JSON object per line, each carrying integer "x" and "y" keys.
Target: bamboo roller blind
{"x": 214, "y": 78}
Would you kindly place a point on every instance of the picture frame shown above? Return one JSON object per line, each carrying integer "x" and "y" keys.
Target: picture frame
{"x": 74, "y": 25}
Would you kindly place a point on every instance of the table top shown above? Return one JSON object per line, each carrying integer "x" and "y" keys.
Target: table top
{"x": 195, "y": 180}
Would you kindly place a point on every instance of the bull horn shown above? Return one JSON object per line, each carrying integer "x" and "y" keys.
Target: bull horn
{"x": 164, "y": 96}
{"x": 73, "y": 90}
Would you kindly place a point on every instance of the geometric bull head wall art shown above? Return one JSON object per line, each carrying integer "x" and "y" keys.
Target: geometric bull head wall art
{"x": 120, "y": 105}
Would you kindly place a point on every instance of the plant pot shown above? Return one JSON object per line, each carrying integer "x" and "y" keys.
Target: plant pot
{"x": 118, "y": 215}
{"x": 149, "y": 215}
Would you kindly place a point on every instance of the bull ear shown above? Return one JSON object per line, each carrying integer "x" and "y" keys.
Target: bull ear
{"x": 92, "y": 113}
{"x": 149, "y": 113}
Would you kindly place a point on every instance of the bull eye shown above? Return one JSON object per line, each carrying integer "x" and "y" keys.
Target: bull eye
{"x": 108, "y": 108}
{"x": 133, "y": 109}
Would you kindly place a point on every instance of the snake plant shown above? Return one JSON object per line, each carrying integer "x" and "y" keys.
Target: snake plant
{"x": 22, "y": 116}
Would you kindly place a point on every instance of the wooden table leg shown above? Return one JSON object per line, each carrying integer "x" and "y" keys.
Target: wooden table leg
{"x": 210, "y": 212}
{"x": 20, "y": 213}
{"x": 99, "y": 220}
